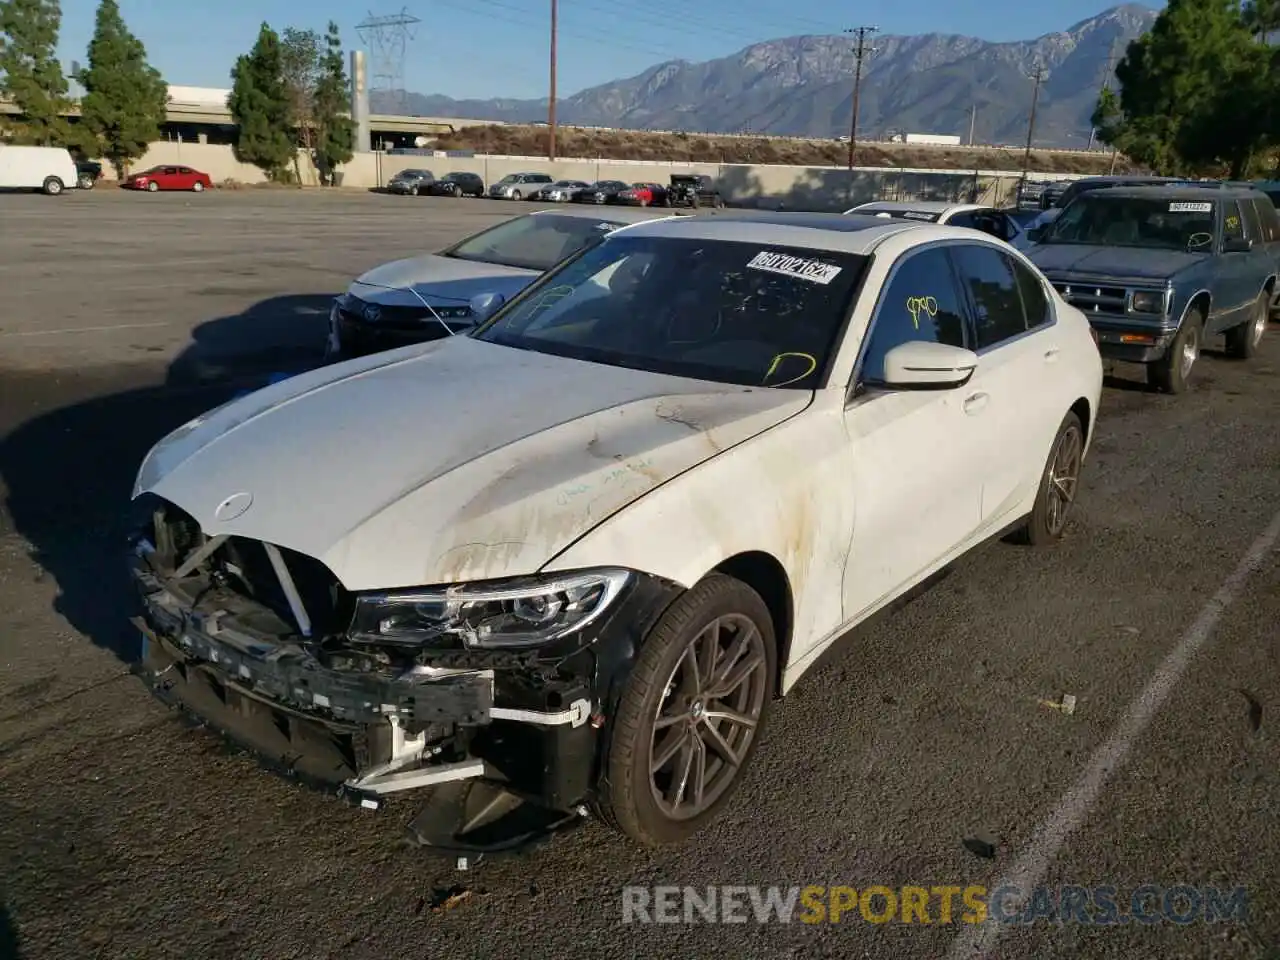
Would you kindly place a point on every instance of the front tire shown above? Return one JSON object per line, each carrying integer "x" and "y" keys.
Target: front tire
{"x": 1243, "y": 341}
{"x": 517, "y": 195}
{"x": 1172, "y": 372}
{"x": 152, "y": 187}
{"x": 691, "y": 713}
{"x": 1059, "y": 484}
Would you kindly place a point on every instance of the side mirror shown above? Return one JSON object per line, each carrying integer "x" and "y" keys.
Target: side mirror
{"x": 485, "y": 305}
{"x": 1035, "y": 233}
{"x": 1236, "y": 245}
{"x": 921, "y": 365}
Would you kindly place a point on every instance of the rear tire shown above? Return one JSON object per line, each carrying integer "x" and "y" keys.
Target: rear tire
{"x": 86, "y": 182}
{"x": 52, "y": 186}
{"x": 1244, "y": 340}
{"x": 1172, "y": 372}
{"x": 197, "y": 187}
{"x": 703, "y": 683}
{"x": 1059, "y": 484}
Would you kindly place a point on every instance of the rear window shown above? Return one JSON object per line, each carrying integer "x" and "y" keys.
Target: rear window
{"x": 534, "y": 242}
{"x": 922, "y": 215}
{"x": 1269, "y": 219}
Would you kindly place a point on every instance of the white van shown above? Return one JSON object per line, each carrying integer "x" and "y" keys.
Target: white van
{"x": 50, "y": 169}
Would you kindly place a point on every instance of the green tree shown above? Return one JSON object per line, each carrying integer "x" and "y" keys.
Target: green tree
{"x": 335, "y": 131}
{"x": 30, "y": 74}
{"x": 259, "y": 104}
{"x": 1262, "y": 17}
{"x": 125, "y": 98}
{"x": 1184, "y": 89}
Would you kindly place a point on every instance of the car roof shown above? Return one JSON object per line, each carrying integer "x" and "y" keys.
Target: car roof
{"x": 1178, "y": 192}
{"x": 924, "y": 206}
{"x": 845, "y": 233}
{"x": 613, "y": 214}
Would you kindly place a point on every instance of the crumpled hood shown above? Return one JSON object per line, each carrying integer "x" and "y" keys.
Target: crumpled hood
{"x": 450, "y": 461}
{"x": 445, "y": 276}
{"x": 1120, "y": 262}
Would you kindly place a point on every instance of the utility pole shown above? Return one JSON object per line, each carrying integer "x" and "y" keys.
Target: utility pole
{"x": 859, "y": 52}
{"x": 1106, "y": 84}
{"x": 973, "y": 118}
{"x": 551, "y": 105}
{"x": 1038, "y": 77}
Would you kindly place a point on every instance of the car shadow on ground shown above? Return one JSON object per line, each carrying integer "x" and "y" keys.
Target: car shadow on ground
{"x": 68, "y": 469}
{"x": 10, "y": 946}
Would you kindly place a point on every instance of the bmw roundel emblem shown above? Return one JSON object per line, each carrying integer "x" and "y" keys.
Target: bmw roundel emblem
{"x": 372, "y": 312}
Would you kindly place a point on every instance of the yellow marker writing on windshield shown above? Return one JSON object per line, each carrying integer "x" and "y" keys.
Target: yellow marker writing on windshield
{"x": 919, "y": 305}
{"x": 813, "y": 365}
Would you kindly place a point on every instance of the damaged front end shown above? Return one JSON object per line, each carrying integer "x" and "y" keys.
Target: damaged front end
{"x": 374, "y": 695}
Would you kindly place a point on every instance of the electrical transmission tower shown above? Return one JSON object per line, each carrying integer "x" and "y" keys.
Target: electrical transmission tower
{"x": 387, "y": 40}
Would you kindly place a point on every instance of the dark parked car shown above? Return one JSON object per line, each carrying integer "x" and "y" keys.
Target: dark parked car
{"x": 694, "y": 190}
{"x": 457, "y": 185}
{"x": 88, "y": 173}
{"x": 1158, "y": 270}
{"x": 1062, "y": 192}
{"x": 411, "y": 182}
{"x": 602, "y": 191}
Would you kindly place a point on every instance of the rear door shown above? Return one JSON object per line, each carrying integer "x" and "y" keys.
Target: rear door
{"x": 1013, "y": 392}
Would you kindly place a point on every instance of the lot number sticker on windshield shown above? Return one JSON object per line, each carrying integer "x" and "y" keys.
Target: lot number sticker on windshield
{"x": 1191, "y": 208}
{"x": 815, "y": 271}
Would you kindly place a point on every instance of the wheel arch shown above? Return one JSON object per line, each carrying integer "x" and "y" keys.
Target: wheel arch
{"x": 1201, "y": 298}
{"x": 765, "y": 574}
{"x": 1082, "y": 409}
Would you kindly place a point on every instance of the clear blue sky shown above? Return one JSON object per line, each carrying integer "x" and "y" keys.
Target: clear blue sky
{"x": 498, "y": 48}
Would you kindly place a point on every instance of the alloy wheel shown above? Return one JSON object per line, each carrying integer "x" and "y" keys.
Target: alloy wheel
{"x": 1260, "y": 321}
{"x": 1190, "y": 352}
{"x": 1064, "y": 477}
{"x": 708, "y": 716}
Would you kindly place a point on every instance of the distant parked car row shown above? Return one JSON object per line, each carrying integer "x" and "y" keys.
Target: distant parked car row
{"x": 692, "y": 190}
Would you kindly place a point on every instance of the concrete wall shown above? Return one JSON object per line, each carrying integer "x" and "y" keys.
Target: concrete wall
{"x": 774, "y": 187}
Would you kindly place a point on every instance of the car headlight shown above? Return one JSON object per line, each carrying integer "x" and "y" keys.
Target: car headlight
{"x": 1146, "y": 301}
{"x": 521, "y": 612}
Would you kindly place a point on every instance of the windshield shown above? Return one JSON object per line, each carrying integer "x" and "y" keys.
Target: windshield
{"x": 534, "y": 242}
{"x": 1156, "y": 224}
{"x": 727, "y": 311}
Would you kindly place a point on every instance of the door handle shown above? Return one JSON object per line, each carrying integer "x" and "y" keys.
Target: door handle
{"x": 1051, "y": 356}
{"x": 975, "y": 402}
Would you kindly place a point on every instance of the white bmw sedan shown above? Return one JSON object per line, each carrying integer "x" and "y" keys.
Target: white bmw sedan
{"x": 572, "y": 557}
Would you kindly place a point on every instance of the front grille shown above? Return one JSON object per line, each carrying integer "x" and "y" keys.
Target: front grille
{"x": 241, "y": 566}
{"x": 1093, "y": 298}
{"x": 393, "y": 317}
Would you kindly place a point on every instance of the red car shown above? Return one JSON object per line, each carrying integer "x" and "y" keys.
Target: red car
{"x": 637, "y": 193}
{"x": 168, "y": 178}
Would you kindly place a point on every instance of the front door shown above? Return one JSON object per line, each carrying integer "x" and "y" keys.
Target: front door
{"x": 917, "y": 454}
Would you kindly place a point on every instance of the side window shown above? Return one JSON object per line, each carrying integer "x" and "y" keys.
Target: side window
{"x": 1269, "y": 219}
{"x": 989, "y": 221}
{"x": 993, "y": 291}
{"x": 1252, "y": 225}
{"x": 920, "y": 302}
{"x": 1232, "y": 228}
{"x": 1034, "y": 302}
{"x": 962, "y": 220}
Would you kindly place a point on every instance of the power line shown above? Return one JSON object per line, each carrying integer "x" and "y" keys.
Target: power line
{"x": 551, "y": 102}
{"x": 859, "y": 52}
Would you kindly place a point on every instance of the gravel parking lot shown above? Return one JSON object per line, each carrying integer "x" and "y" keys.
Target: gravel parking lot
{"x": 125, "y": 834}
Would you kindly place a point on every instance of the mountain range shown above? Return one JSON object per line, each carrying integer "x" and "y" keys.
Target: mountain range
{"x": 803, "y": 86}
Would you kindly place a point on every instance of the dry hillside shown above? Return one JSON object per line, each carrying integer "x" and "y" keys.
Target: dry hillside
{"x": 641, "y": 145}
